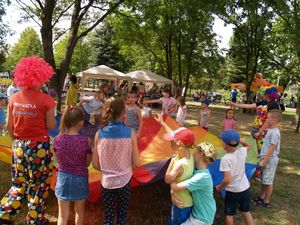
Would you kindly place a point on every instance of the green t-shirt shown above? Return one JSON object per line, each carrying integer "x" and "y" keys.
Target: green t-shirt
{"x": 201, "y": 188}
{"x": 188, "y": 169}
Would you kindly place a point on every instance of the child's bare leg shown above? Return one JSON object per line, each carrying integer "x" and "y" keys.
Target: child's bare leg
{"x": 263, "y": 191}
{"x": 268, "y": 193}
{"x": 79, "y": 212}
{"x": 63, "y": 212}
{"x": 229, "y": 220}
{"x": 248, "y": 218}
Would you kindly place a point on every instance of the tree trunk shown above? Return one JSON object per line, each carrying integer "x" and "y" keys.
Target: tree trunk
{"x": 179, "y": 61}
{"x": 298, "y": 110}
{"x": 168, "y": 50}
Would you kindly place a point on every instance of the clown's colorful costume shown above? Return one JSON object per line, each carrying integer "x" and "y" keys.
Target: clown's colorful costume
{"x": 262, "y": 113}
{"x": 29, "y": 113}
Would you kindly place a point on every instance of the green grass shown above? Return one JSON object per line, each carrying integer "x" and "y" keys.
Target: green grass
{"x": 150, "y": 205}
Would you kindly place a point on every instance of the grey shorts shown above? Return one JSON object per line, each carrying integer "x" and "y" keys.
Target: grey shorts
{"x": 268, "y": 172}
{"x": 193, "y": 221}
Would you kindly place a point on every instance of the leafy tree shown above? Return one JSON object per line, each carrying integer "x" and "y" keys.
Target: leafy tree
{"x": 48, "y": 13}
{"x": 3, "y": 32}
{"x": 176, "y": 37}
{"x": 81, "y": 56}
{"x": 104, "y": 51}
{"x": 252, "y": 20}
{"x": 289, "y": 13}
{"x": 28, "y": 44}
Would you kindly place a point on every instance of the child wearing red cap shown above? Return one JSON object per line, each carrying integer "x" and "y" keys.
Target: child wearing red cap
{"x": 30, "y": 116}
{"x": 180, "y": 169}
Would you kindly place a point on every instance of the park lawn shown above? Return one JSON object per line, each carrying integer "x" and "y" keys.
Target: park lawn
{"x": 150, "y": 204}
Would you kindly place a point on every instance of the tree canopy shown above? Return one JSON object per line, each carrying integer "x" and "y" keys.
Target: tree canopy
{"x": 28, "y": 44}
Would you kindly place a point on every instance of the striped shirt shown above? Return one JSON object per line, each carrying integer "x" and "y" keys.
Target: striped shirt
{"x": 132, "y": 119}
{"x": 115, "y": 155}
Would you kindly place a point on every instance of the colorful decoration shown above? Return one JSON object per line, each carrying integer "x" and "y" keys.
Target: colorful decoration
{"x": 154, "y": 155}
{"x": 258, "y": 85}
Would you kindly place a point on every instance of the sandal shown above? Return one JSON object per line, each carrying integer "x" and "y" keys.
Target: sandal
{"x": 263, "y": 204}
{"x": 266, "y": 205}
{"x": 258, "y": 200}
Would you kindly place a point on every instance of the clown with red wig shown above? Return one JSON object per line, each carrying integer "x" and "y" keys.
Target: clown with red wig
{"x": 270, "y": 101}
{"x": 30, "y": 116}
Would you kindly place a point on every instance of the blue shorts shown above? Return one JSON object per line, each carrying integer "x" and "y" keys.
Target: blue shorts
{"x": 268, "y": 172}
{"x": 70, "y": 187}
{"x": 239, "y": 200}
{"x": 179, "y": 215}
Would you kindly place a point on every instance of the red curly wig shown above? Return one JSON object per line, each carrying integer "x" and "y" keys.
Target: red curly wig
{"x": 32, "y": 71}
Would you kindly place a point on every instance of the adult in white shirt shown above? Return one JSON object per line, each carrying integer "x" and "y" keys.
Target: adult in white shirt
{"x": 12, "y": 89}
{"x": 92, "y": 106}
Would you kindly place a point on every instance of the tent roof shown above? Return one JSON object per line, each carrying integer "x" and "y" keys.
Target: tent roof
{"x": 148, "y": 76}
{"x": 102, "y": 72}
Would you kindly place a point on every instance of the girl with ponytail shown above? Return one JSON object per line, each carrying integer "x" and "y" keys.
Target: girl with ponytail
{"x": 115, "y": 155}
{"x": 73, "y": 152}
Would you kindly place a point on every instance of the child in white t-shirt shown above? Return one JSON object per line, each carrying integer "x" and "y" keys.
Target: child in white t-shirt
{"x": 182, "y": 111}
{"x": 92, "y": 106}
{"x": 145, "y": 109}
{"x": 235, "y": 180}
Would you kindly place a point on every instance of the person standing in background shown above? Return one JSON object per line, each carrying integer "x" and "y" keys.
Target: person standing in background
{"x": 72, "y": 92}
{"x": 12, "y": 89}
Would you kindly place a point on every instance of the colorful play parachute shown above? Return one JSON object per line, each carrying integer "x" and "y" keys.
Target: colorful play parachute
{"x": 155, "y": 154}
{"x": 257, "y": 82}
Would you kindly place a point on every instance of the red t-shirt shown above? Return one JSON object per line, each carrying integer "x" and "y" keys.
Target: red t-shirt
{"x": 29, "y": 108}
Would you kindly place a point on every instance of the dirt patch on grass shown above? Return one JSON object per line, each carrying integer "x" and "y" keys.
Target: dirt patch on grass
{"x": 150, "y": 205}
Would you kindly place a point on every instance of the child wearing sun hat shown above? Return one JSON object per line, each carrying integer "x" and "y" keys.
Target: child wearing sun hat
{"x": 201, "y": 186}
{"x": 181, "y": 167}
{"x": 30, "y": 116}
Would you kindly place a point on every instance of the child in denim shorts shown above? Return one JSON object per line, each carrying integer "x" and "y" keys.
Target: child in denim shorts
{"x": 235, "y": 181}
{"x": 73, "y": 153}
{"x": 269, "y": 158}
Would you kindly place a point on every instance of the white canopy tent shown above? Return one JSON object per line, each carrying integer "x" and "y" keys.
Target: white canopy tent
{"x": 101, "y": 72}
{"x": 148, "y": 77}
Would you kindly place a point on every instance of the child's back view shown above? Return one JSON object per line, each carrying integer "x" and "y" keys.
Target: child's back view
{"x": 73, "y": 153}
{"x": 115, "y": 155}
{"x": 235, "y": 180}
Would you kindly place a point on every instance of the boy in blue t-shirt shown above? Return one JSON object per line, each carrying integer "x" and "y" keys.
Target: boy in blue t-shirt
{"x": 3, "y": 98}
{"x": 201, "y": 187}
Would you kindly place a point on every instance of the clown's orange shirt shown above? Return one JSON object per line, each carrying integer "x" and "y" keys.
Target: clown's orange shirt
{"x": 29, "y": 108}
